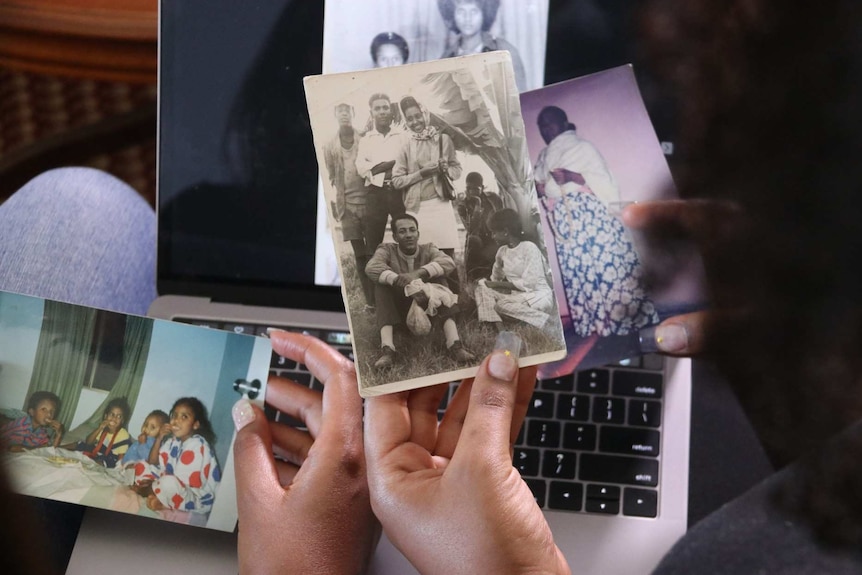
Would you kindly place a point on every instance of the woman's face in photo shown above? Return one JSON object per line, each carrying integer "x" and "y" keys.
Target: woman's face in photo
{"x": 414, "y": 118}
{"x": 389, "y": 55}
{"x": 468, "y": 18}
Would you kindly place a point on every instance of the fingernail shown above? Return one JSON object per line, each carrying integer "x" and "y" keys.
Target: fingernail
{"x": 242, "y": 413}
{"x": 667, "y": 338}
{"x": 504, "y": 360}
{"x": 272, "y": 330}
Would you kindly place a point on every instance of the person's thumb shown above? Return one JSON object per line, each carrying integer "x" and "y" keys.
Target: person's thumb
{"x": 487, "y": 425}
{"x": 254, "y": 467}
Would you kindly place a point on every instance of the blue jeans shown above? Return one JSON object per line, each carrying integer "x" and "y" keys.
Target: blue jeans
{"x": 81, "y": 236}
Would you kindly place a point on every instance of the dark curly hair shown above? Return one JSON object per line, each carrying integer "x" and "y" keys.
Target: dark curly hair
{"x": 38, "y": 397}
{"x": 123, "y": 404}
{"x": 389, "y": 38}
{"x": 769, "y": 118}
{"x": 506, "y": 219}
{"x": 205, "y": 429}
{"x": 489, "y": 12}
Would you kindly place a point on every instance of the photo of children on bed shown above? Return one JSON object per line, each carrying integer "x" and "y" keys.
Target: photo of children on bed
{"x": 434, "y": 217}
{"x": 77, "y": 382}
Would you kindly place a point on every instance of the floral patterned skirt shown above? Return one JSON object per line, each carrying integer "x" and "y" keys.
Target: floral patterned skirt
{"x": 600, "y": 268}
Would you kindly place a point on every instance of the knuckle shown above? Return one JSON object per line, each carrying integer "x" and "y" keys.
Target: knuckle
{"x": 493, "y": 397}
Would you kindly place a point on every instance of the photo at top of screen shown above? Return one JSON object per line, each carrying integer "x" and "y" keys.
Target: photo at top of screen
{"x": 381, "y": 33}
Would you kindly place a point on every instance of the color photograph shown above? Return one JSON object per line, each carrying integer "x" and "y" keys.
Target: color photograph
{"x": 122, "y": 412}
{"x": 594, "y": 151}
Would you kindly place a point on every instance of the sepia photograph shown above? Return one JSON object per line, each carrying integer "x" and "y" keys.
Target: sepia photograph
{"x": 122, "y": 412}
{"x": 594, "y": 150}
{"x": 428, "y": 187}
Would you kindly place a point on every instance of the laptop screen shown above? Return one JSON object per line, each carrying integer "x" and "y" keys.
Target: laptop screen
{"x": 238, "y": 179}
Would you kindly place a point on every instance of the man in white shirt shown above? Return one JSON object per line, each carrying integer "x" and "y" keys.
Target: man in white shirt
{"x": 374, "y": 161}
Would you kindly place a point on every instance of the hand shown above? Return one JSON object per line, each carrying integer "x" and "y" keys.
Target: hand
{"x": 680, "y": 335}
{"x": 442, "y": 165}
{"x": 316, "y": 493}
{"x": 421, "y": 299}
{"x": 153, "y": 503}
{"x": 429, "y": 171}
{"x": 563, "y": 176}
{"x": 448, "y": 496}
{"x": 164, "y": 431}
{"x": 677, "y": 230}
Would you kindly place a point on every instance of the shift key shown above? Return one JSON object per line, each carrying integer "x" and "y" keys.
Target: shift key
{"x": 617, "y": 469}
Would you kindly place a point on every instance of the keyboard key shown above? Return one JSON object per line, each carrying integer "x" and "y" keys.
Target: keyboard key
{"x": 240, "y": 328}
{"x": 640, "y": 502}
{"x": 564, "y": 383}
{"x": 559, "y": 465}
{"x": 543, "y": 433}
{"x": 347, "y": 352}
{"x": 618, "y": 469}
{"x": 574, "y": 407}
{"x": 638, "y": 384}
{"x": 302, "y": 378}
{"x": 281, "y": 362}
{"x": 629, "y": 441}
{"x": 594, "y": 381}
{"x": 565, "y": 495}
{"x": 611, "y": 492}
{"x": 316, "y": 385}
{"x": 645, "y": 413}
{"x": 541, "y": 405}
{"x": 630, "y": 362}
{"x": 577, "y": 436}
{"x": 609, "y": 410}
{"x": 538, "y": 487}
{"x": 526, "y": 461}
{"x": 606, "y": 506}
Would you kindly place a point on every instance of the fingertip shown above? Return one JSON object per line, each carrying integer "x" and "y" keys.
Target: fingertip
{"x": 243, "y": 413}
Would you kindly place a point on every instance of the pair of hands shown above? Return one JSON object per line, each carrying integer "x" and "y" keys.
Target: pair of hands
{"x": 432, "y": 487}
{"x": 447, "y": 495}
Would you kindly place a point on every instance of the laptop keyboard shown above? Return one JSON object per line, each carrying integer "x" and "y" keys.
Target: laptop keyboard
{"x": 591, "y": 440}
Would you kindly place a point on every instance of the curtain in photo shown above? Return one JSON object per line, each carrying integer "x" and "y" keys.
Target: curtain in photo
{"x": 62, "y": 354}
{"x": 136, "y": 349}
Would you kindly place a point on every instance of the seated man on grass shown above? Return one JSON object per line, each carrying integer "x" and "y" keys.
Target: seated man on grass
{"x": 414, "y": 266}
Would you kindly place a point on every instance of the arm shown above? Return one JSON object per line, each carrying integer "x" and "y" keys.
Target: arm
{"x": 379, "y": 269}
{"x": 453, "y": 166}
{"x": 363, "y": 158}
{"x": 153, "y": 458}
{"x": 58, "y": 432}
{"x": 401, "y": 176}
{"x": 91, "y": 438}
{"x": 439, "y": 264}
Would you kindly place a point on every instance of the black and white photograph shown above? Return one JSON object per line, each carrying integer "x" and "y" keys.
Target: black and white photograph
{"x": 428, "y": 186}
{"x": 123, "y": 412}
{"x": 385, "y": 33}
{"x": 594, "y": 151}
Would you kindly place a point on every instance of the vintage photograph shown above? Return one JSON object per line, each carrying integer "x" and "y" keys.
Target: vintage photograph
{"x": 594, "y": 150}
{"x": 409, "y": 31}
{"x": 385, "y": 33}
{"x": 123, "y": 412}
{"x": 428, "y": 186}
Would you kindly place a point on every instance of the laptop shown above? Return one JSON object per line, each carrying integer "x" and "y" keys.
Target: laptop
{"x": 237, "y": 220}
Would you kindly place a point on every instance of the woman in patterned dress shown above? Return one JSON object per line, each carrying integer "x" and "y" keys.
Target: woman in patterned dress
{"x": 599, "y": 266}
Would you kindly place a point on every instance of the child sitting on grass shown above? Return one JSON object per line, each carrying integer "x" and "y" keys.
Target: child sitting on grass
{"x": 181, "y": 472}
{"x": 140, "y": 450}
{"x": 34, "y": 429}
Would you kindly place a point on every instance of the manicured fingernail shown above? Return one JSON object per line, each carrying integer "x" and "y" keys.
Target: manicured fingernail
{"x": 242, "y": 413}
{"x": 504, "y": 360}
{"x": 272, "y": 330}
{"x": 667, "y": 338}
